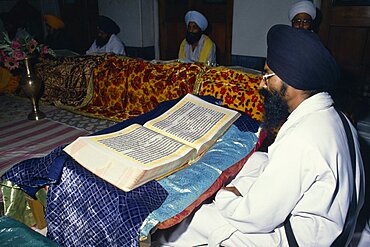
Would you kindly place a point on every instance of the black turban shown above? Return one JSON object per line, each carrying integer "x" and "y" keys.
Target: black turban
{"x": 107, "y": 25}
{"x": 300, "y": 59}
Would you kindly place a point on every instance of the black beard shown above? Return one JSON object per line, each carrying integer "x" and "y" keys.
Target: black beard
{"x": 193, "y": 38}
{"x": 275, "y": 108}
{"x": 100, "y": 42}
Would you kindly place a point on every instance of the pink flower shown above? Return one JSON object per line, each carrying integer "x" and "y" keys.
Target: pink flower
{"x": 12, "y": 52}
{"x": 15, "y": 45}
{"x": 45, "y": 50}
{"x": 11, "y": 63}
{"x": 31, "y": 46}
{"x": 33, "y": 42}
{"x": 19, "y": 55}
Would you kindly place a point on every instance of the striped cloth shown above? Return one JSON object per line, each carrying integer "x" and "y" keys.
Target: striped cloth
{"x": 24, "y": 139}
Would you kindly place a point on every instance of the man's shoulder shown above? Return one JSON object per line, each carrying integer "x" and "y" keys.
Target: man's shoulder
{"x": 115, "y": 39}
{"x": 207, "y": 38}
{"x": 115, "y": 45}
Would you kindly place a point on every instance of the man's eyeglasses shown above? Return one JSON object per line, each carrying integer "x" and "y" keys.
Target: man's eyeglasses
{"x": 303, "y": 21}
{"x": 265, "y": 77}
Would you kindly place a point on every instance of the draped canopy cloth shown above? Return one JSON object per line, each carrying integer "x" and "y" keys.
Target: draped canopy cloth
{"x": 117, "y": 87}
{"x": 82, "y": 209}
{"x": 126, "y": 87}
{"x": 67, "y": 79}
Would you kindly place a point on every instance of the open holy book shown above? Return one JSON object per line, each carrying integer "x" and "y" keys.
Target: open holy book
{"x": 137, "y": 154}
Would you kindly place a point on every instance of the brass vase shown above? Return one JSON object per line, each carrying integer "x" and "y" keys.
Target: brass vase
{"x": 33, "y": 89}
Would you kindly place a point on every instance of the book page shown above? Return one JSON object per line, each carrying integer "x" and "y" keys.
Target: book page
{"x": 141, "y": 145}
{"x": 194, "y": 121}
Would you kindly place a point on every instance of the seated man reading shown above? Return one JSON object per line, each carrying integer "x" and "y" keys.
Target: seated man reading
{"x": 107, "y": 40}
{"x": 307, "y": 180}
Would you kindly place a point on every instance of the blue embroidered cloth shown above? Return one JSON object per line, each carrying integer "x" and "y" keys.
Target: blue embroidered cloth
{"x": 84, "y": 210}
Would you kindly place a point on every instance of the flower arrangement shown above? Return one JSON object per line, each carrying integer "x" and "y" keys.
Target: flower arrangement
{"x": 13, "y": 52}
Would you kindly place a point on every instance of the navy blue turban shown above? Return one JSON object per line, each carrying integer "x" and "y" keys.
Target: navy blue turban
{"x": 107, "y": 25}
{"x": 300, "y": 59}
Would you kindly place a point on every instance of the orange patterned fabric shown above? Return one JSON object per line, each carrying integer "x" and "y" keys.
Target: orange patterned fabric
{"x": 8, "y": 82}
{"x": 149, "y": 84}
{"x": 238, "y": 90}
{"x": 126, "y": 87}
{"x": 109, "y": 89}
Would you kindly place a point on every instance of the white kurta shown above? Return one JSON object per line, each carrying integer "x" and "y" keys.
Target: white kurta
{"x": 195, "y": 55}
{"x": 114, "y": 45}
{"x": 306, "y": 172}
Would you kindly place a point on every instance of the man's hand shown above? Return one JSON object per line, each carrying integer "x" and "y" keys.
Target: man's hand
{"x": 232, "y": 189}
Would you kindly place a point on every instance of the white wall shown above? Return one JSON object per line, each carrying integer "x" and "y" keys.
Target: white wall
{"x": 135, "y": 18}
{"x": 251, "y": 21}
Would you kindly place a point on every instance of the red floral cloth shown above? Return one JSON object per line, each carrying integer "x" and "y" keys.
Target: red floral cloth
{"x": 239, "y": 90}
{"x": 123, "y": 87}
{"x": 126, "y": 87}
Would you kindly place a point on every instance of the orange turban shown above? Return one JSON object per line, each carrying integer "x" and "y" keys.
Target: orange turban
{"x": 54, "y": 21}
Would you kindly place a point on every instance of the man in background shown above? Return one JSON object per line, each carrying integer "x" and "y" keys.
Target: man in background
{"x": 197, "y": 47}
{"x": 302, "y": 15}
{"x": 56, "y": 37}
{"x": 107, "y": 40}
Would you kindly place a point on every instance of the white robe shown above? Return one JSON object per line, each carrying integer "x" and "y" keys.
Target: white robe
{"x": 306, "y": 172}
{"x": 114, "y": 45}
{"x": 194, "y": 56}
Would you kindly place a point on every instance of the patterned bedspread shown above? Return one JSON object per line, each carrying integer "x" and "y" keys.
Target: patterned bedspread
{"x": 84, "y": 210}
{"x": 126, "y": 87}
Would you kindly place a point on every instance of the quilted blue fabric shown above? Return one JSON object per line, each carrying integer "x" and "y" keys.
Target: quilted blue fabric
{"x": 186, "y": 185}
{"x": 84, "y": 210}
